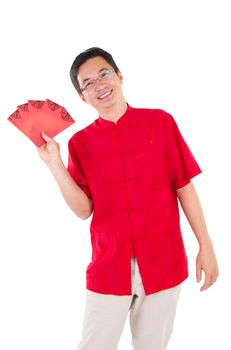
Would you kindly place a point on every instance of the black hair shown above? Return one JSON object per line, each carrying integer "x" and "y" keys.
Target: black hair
{"x": 83, "y": 57}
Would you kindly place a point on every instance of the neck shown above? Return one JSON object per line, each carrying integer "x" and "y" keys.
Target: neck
{"x": 114, "y": 112}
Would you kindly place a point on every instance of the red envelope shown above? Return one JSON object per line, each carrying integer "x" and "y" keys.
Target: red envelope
{"x": 36, "y": 116}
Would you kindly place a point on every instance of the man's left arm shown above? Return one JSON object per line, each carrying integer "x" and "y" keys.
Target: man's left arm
{"x": 206, "y": 259}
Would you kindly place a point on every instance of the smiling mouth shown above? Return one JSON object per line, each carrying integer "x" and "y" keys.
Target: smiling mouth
{"x": 101, "y": 97}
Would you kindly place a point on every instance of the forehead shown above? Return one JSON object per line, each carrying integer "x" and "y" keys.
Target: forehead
{"x": 92, "y": 67}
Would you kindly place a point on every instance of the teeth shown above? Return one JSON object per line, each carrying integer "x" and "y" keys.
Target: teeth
{"x": 102, "y": 96}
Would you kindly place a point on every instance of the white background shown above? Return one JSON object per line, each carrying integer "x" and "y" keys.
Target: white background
{"x": 173, "y": 55}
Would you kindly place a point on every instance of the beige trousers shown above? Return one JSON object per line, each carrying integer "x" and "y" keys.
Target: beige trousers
{"x": 151, "y": 317}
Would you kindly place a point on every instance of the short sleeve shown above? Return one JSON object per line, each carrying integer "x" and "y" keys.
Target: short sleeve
{"x": 182, "y": 165}
{"x": 75, "y": 170}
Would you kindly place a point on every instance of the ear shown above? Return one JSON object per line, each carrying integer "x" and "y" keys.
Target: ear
{"x": 120, "y": 76}
{"x": 82, "y": 98}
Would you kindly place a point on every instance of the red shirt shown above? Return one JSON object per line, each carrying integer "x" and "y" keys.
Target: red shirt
{"x": 131, "y": 170}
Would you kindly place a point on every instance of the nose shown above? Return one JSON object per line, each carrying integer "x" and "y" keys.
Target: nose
{"x": 97, "y": 80}
{"x": 98, "y": 83}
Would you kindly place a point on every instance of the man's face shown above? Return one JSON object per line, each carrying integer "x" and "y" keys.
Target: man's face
{"x": 102, "y": 94}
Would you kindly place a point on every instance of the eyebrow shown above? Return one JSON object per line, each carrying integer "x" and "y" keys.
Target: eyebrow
{"x": 101, "y": 70}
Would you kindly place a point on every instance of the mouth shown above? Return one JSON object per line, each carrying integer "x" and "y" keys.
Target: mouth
{"x": 105, "y": 95}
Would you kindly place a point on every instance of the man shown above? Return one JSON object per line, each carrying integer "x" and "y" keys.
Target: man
{"x": 129, "y": 168}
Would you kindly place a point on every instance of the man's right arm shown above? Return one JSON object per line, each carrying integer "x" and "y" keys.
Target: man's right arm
{"x": 74, "y": 196}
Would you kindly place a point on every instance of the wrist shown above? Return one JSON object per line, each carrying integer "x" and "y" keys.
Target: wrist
{"x": 55, "y": 164}
{"x": 205, "y": 242}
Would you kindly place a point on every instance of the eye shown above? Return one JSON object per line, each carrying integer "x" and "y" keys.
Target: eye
{"x": 104, "y": 74}
{"x": 89, "y": 84}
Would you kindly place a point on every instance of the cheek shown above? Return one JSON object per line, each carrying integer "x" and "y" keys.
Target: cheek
{"x": 93, "y": 100}
{"x": 118, "y": 87}
{"x": 90, "y": 98}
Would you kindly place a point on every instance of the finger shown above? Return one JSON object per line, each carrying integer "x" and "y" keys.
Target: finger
{"x": 39, "y": 148}
{"x": 208, "y": 282}
{"x": 45, "y": 136}
{"x": 198, "y": 273}
{"x": 214, "y": 277}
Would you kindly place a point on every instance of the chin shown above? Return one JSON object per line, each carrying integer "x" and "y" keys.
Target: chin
{"x": 107, "y": 104}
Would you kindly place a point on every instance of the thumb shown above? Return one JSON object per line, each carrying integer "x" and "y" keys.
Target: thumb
{"x": 45, "y": 136}
{"x": 198, "y": 273}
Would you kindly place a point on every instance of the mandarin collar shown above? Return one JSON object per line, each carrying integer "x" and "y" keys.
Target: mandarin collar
{"x": 121, "y": 121}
